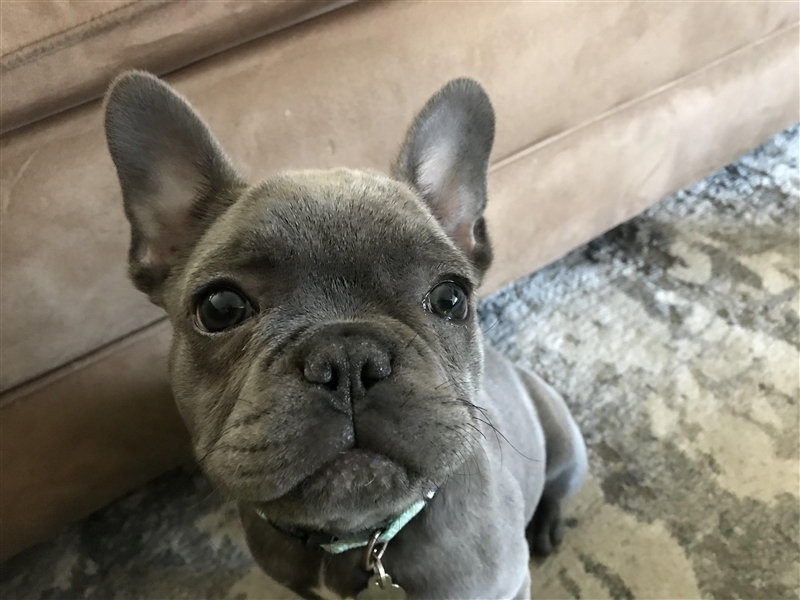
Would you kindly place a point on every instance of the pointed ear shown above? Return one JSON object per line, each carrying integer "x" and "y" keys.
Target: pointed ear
{"x": 445, "y": 158}
{"x": 175, "y": 177}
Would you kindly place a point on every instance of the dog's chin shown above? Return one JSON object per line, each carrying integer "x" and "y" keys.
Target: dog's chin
{"x": 359, "y": 490}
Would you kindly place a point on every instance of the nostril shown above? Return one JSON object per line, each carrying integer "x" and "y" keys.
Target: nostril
{"x": 333, "y": 382}
{"x": 374, "y": 370}
{"x": 318, "y": 372}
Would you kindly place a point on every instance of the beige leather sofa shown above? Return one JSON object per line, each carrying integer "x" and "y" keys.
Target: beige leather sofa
{"x": 603, "y": 108}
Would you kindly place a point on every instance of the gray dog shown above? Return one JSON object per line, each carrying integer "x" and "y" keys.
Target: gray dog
{"x": 327, "y": 358}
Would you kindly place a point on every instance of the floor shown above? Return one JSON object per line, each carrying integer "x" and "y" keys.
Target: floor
{"x": 673, "y": 337}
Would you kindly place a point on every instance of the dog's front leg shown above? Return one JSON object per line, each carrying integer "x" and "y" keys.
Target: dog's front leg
{"x": 566, "y": 464}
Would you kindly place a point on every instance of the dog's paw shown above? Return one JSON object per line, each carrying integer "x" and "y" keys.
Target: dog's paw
{"x": 546, "y": 529}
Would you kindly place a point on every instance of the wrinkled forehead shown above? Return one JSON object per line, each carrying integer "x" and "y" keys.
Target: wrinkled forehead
{"x": 337, "y": 222}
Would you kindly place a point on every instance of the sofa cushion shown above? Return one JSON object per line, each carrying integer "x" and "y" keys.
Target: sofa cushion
{"x": 55, "y": 55}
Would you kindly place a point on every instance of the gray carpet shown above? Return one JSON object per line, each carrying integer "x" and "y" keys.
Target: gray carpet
{"x": 674, "y": 339}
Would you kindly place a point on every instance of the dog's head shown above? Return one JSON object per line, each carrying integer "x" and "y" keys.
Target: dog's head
{"x": 326, "y": 350}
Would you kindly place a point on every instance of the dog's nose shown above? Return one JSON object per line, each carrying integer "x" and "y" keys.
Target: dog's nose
{"x": 346, "y": 359}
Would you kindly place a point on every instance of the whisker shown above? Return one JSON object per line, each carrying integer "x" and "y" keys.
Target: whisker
{"x": 483, "y": 435}
{"x": 491, "y": 326}
{"x": 411, "y": 341}
{"x": 498, "y": 432}
{"x": 478, "y": 443}
{"x": 205, "y": 498}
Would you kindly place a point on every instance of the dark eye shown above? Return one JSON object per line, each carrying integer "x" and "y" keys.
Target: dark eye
{"x": 448, "y": 300}
{"x": 220, "y": 309}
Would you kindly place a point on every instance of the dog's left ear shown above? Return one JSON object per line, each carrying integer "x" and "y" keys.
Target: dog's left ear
{"x": 445, "y": 158}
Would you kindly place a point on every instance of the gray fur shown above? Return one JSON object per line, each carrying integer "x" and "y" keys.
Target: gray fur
{"x": 337, "y": 265}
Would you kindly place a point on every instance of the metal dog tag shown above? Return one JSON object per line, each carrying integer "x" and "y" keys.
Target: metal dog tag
{"x": 381, "y": 588}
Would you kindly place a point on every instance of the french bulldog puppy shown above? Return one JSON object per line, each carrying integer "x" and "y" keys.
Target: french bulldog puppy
{"x": 327, "y": 358}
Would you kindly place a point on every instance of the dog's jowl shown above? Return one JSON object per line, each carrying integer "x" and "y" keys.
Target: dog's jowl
{"x": 327, "y": 358}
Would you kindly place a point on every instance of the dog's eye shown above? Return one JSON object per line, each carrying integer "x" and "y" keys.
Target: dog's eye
{"x": 448, "y": 300}
{"x": 221, "y": 309}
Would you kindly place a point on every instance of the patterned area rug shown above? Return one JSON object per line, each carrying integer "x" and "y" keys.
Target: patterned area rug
{"x": 674, "y": 339}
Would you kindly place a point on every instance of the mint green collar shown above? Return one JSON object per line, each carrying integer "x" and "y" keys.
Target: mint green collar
{"x": 361, "y": 541}
{"x": 385, "y": 537}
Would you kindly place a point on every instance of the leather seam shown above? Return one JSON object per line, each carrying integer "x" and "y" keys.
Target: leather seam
{"x": 23, "y": 389}
{"x": 50, "y": 43}
{"x": 533, "y": 147}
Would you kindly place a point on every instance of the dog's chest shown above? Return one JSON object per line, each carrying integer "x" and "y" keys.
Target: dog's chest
{"x": 514, "y": 438}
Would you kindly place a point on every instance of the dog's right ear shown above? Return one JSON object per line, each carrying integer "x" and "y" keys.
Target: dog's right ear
{"x": 176, "y": 179}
